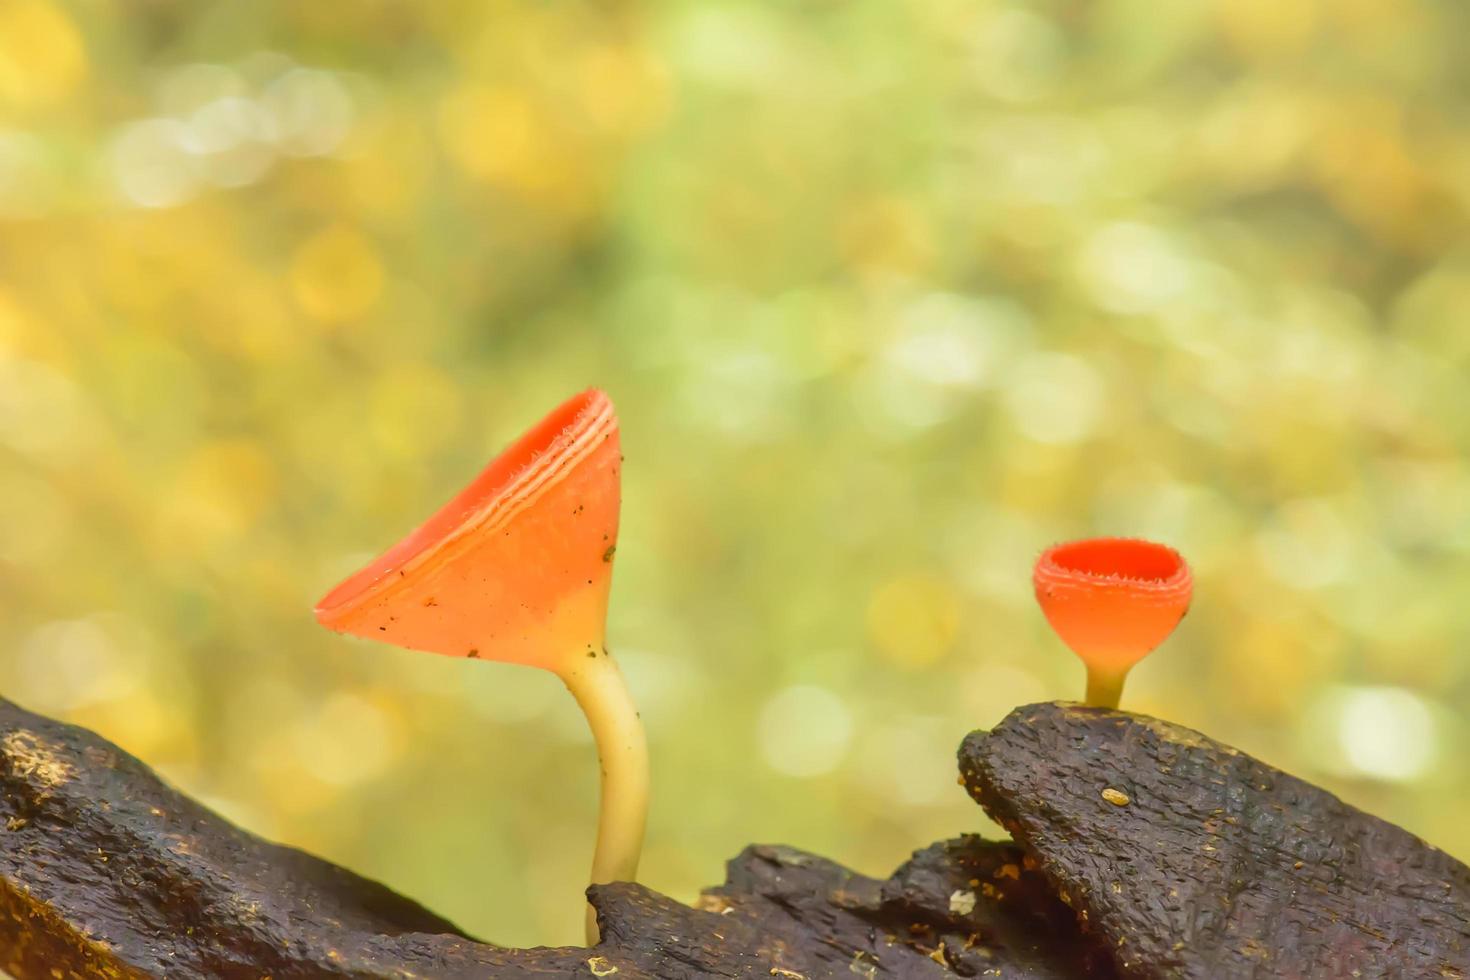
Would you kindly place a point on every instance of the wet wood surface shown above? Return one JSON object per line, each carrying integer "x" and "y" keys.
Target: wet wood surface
{"x": 107, "y": 872}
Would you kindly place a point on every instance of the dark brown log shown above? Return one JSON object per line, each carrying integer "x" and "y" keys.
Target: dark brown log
{"x": 1191, "y": 859}
{"x": 1214, "y": 865}
{"x": 107, "y": 872}
{"x": 966, "y": 906}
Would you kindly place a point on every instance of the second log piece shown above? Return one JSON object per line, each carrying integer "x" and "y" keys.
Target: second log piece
{"x": 1193, "y": 860}
{"x": 966, "y": 907}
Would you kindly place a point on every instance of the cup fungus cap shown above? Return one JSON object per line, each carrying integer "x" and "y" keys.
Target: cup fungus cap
{"x": 1112, "y": 600}
{"x": 517, "y": 566}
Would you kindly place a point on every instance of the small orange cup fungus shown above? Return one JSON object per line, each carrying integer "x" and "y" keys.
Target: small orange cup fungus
{"x": 1112, "y": 600}
{"x": 517, "y": 568}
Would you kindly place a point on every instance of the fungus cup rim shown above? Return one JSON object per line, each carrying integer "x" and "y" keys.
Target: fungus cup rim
{"x": 491, "y": 499}
{"x": 1141, "y": 567}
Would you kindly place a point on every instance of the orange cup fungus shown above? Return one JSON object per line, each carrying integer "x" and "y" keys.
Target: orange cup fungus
{"x": 1112, "y": 600}
{"x": 517, "y": 568}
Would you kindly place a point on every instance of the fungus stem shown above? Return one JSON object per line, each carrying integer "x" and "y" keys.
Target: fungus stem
{"x": 622, "y": 753}
{"x": 1105, "y": 687}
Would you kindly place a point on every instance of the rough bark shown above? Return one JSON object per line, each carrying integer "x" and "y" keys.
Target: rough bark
{"x": 1190, "y": 859}
{"x": 107, "y": 872}
{"x": 966, "y": 907}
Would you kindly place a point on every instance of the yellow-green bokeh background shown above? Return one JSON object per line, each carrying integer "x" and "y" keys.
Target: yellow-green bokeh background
{"x": 889, "y": 296}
